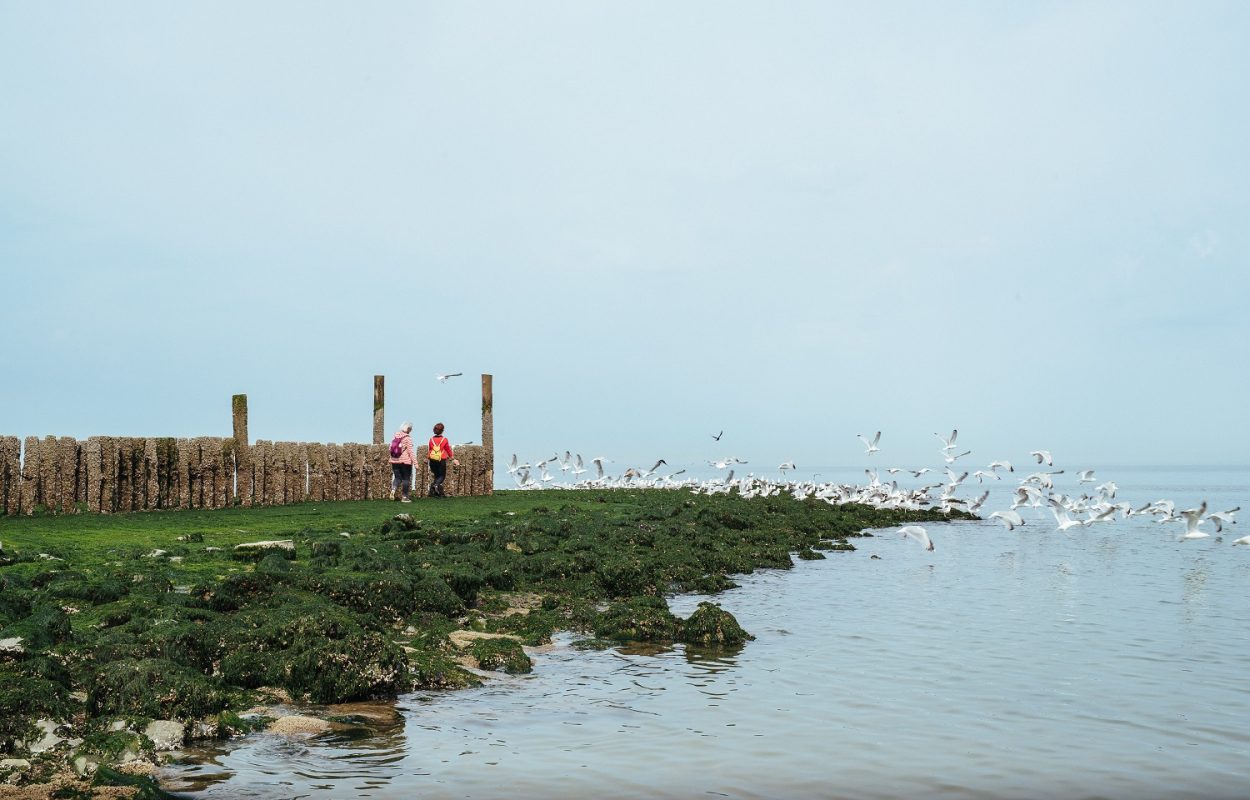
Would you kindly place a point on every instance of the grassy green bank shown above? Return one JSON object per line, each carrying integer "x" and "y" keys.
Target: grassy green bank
{"x": 127, "y": 619}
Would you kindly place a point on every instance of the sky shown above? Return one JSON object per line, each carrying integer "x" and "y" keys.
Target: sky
{"x": 650, "y": 222}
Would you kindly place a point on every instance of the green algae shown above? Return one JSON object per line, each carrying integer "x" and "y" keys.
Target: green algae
{"x": 366, "y": 615}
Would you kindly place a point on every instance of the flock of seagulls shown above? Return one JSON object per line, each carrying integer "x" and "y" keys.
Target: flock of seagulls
{"x": 1092, "y": 503}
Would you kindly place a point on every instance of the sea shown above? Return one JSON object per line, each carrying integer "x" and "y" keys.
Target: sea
{"x": 1109, "y": 661}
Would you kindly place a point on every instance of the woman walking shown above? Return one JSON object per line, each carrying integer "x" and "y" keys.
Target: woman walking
{"x": 402, "y": 458}
{"x": 440, "y": 453}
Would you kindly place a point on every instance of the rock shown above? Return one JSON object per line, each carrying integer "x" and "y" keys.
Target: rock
{"x": 85, "y": 765}
{"x": 255, "y": 551}
{"x": 49, "y": 739}
{"x": 406, "y": 522}
{"x": 157, "y": 553}
{"x": 165, "y": 734}
{"x": 12, "y": 770}
{"x": 712, "y": 625}
{"x": 117, "y": 725}
{"x": 13, "y": 645}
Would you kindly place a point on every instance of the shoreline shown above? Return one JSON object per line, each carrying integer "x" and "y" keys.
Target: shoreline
{"x": 132, "y": 620}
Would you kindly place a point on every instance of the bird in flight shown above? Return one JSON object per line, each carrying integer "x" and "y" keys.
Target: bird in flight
{"x": 872, "y": 446}
{"x": 718, "y": 435}
{"x": 948, "y": 443}
{"x": 443, "y": 378}
{"x": 918, "y": 533}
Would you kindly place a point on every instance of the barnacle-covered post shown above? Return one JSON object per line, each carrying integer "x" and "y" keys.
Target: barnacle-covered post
{"x": 379, "y": 405}
{"x": 242, "y": 453}
{"x": 488, "y": 432}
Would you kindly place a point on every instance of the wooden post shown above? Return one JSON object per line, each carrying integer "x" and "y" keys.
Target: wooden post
{"x": 488, "y": 431}
{"x": 379, "y": 404}
{"x": 242, "y": 452}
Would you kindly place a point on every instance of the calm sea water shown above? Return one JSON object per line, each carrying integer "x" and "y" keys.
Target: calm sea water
{"x": 1110, "y": 662}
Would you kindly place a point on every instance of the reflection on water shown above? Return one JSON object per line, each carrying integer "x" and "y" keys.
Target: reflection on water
{"x": 1110, "y": 662}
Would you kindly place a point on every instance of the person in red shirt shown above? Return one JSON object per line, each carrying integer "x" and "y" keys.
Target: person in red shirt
{"x": 440, "y": 453}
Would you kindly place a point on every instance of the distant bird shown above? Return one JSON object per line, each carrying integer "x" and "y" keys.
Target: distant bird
{"x": 950, "y": 459}
{"x": 948, "y": 442}
{"x": 1043, "y": 457}
{"x": 1243, "y": 540}
{"x": 916, "y": 473}
{"x": 788, "y": 465}
{"x": 997, "y": 464}
{"x": 443, "y": 378}
{"x": 1085, "y": 476}
{"x": 918, "y": 533}
{"x": 975, "y": 506}
{"x": 717, "y": 436}
{"x": 651, "y": 471}
{"x": 1009, "y": 518}
{"x": 872, "y": 446}
{"x": 581, "y": 466}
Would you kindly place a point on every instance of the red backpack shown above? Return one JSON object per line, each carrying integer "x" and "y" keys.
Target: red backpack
{"x": 397, "y": 447}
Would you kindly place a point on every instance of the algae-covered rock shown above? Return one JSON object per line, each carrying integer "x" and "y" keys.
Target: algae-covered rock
{"x": 712, "y": 625}
{"x": 255, "y": 551}
{"x": 808, "y": 554}
{"x": 639, "y": 619}
{"x": 501, "y": 654}
{"x": 154, "y": 688}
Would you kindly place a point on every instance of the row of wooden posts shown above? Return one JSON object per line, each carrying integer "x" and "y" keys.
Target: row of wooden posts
{"x": 107, "y": 474}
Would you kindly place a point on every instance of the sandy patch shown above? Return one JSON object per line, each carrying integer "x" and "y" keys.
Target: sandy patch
{"x": 293, "y": 726}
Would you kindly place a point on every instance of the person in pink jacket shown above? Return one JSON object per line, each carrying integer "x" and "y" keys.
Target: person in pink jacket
{"x": 403, "y": 456}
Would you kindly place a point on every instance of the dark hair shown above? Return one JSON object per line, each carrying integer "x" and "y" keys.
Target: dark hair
{"x": 438, "y": 429}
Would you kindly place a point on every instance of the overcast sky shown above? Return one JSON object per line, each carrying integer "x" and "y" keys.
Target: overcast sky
{"x": 793, "y": 222}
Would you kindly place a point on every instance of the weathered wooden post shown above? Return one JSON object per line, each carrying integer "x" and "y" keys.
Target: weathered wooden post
{"x": 242, "y": 451}
{"x": 379, "y": 405}
{"x": 488, "y": 431}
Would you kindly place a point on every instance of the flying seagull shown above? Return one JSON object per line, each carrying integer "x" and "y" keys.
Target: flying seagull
{"x": 918, "y": 533}
{"x": 443, "y": 378}
{"x": 717, "y": 436}
{"x": 872, "y": 446}
{"x": 948, "y": 443}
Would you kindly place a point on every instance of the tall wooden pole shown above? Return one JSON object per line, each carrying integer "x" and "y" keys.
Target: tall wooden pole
{"x": 488, "y": 430}
{"x": 242, "y": 450}
{"x": 379, "y": 406}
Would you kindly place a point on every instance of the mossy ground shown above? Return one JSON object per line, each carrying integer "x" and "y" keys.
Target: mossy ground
{"x": 114, "y": 629}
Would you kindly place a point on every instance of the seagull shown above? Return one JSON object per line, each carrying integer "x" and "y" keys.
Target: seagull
{"x": 717, "y": 436}
{"x": 443, "y": 378}
{"x": 918, "y": 533}
{"x": 948, "y": 443}
{"x": 872, "y": 446}
{"x": 1193, "y": 518}
{"x": 1062, "y": 520}
{"x": 996, "y": 464}
{"x": 1222, "y": 518}
{"x": 950, "y": 459}
{"x": 581, "y": 466}
{"x": 916, "y": 473}
{"x": 1243, "y": 540}
{"x": 1085, "y": 476}
{"x": 1009, "y": 518}
{"x": 651, "y": 471}
{"x": 786, "y": 466}
{"x": 1043, "y": 457}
